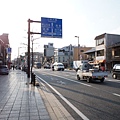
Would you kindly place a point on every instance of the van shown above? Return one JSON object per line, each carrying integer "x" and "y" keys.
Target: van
{"x": 58, "y": 66}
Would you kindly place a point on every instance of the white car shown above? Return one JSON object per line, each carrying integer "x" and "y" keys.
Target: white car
{"x": 58, "y": 66}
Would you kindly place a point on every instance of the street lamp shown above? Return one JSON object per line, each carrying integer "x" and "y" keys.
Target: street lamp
{"x": 19, "y": 55}
{"x": 78, "y": 46}
{"x": 19, "y": 50}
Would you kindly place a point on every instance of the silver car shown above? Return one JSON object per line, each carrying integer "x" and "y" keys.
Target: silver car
{"x": 4, "y": 70}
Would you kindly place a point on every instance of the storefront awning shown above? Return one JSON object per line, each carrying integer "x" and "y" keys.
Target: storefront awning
{"x": 101, "y": 61}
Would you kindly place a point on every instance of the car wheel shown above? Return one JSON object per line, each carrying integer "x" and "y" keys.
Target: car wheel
{"x": 114, "y": 76}
{"x": 89, "y": 80}
{"x": 102, "y": 80}
{"x": 78, "y": 78}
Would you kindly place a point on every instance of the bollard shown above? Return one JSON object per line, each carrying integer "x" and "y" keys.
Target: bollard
{"x": 33, "y": 79}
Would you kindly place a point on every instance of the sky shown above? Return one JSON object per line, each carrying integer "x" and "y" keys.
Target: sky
{"x": 84, "y": 18}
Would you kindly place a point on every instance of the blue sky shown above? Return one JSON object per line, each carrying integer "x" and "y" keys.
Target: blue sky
{"x": 83, "y": 18}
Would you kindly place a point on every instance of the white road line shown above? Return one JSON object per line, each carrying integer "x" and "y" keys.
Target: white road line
{"x": 116, "y": 94}
{"x": 118, "y": 81}
{"x": 70, "y": 104}
{"x": 71, "y": 80}
{"x": 85, "y": 84}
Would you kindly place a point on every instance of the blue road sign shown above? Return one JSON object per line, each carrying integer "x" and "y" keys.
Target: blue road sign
{"x": 51, "y": 27}
{"x": 8, "y": 50}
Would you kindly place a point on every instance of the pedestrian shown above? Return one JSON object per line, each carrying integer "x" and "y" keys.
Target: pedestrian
{"x": 13, "y": 67}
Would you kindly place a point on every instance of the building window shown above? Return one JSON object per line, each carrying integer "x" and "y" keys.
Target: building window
{"x": 117, "y": 52}
{"x": 100, "y": 42}
{"x": 81, "y": 50}
{"x": 63, "y": 59}
{"x": 100, "y": 53}
{"x": 59, "y": 59}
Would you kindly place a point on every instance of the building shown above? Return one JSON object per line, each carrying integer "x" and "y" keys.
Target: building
{"x": 107, "y": 50}
{"x": 37, "y": 57}
{"x": 5, "y": 55}
{"x": 80, "y": 55}
{"x": 64, "y": 55}
{"x": 48, "y": 52}
{"x": 68, "y": 54}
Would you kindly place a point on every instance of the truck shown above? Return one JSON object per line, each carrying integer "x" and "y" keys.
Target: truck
{"x": 90, "y": 72}
{"x": 77, "y": 63}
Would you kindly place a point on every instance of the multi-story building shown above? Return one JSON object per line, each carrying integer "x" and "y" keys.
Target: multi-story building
{"x": 80, "y": 55}
{"x": 5, "y": 58}
{"x": 37, "y": 57}
{"x": 103, "y": 53}
{"x": 64, "y": 55}
{"x": 70, "y": 53}
{"x": 107, "y": 50}
{"x": 48, "y": 52}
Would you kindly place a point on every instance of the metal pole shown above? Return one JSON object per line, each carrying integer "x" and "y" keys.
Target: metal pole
{"x": 32, "y": 54}
{"x": 28, "y": 60}
{"x": 78, "y": 48}
{"x": 32, "y": 61}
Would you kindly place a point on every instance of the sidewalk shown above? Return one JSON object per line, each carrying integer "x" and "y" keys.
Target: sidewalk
{"x": 21, "y": 101}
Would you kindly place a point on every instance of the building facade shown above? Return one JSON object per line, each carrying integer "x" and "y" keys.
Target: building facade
{"x": 48, "y": 53}
{"x": 5, "y": 55}
{"x": 80, "y": 55}
{"x": 64, "y": 55}
{"x": 106, "y": 51}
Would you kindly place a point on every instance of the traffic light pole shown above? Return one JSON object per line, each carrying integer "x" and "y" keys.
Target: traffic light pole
{"x": 29, "y": 33}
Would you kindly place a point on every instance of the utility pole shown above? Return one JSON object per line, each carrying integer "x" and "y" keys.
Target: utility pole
{"x": 78, "y": 47}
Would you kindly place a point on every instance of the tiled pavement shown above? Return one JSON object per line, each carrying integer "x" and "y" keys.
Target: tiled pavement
{"x": 21, "y": 101}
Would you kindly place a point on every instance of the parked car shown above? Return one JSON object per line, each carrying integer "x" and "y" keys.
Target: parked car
{"x": 116, "y": 71}
{"x": 4, "y": 69}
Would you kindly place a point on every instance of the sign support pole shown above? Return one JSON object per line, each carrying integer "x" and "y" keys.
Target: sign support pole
{"x": 28, "y": 60}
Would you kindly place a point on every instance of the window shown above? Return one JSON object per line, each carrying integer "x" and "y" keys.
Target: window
{"x": 117, "y": 52}
{"x": 63, "y": 59}
{"x": 100, "y": 42}
{"x": 81, "y": 50}
{"x": 100, "y": 53}
{"x": 59, "y": 59}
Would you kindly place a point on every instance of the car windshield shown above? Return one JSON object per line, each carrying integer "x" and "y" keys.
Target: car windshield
{"x": 60, "y": 65}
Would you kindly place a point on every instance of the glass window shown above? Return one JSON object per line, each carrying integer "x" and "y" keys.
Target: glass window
{"x": 59, "y": 59}
{"x": 100, "y": 42}
{"x": 100, "y": 53}
{"x": 63, "y": 59}
{"x": 81, "y": 50}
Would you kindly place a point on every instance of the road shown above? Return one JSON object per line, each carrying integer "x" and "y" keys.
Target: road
{"x": 92, "y": 101}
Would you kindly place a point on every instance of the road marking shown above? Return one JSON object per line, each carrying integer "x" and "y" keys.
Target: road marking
{"x": 116, "y": 94}
{"x": 85, "y": 84}
{"x": 65, "y": 100}
{"x": 118, "y": 81}
{"x": 71, "y": 80}
{"x": 61, "y": 82}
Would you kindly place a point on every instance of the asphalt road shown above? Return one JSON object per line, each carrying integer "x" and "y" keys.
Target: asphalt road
{"x": 92, "y": 101}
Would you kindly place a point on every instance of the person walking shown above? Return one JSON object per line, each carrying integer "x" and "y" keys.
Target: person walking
{"x": 13, "y": 67}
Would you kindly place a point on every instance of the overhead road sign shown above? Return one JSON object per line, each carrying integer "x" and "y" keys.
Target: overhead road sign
{"x": 51, "y": 27}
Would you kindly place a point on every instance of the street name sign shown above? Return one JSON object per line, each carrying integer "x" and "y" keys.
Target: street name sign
{"x": 51, "y": 27}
